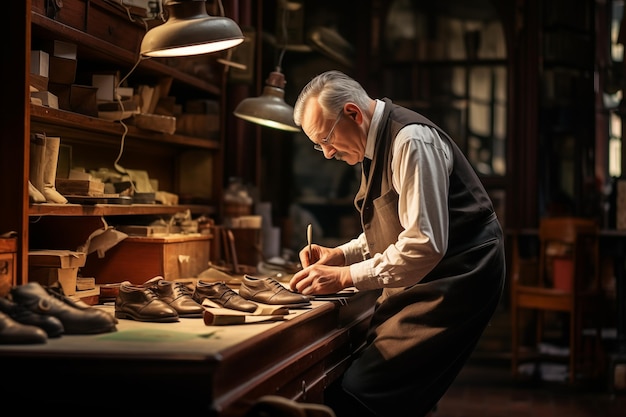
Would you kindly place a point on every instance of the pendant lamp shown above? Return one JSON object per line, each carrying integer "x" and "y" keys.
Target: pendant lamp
{"x": 190, "y": 30}
{"x": 269, "y": 109}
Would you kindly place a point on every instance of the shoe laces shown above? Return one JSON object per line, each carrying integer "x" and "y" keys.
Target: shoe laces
{"x": 277, "y": 285}
{"x": 180, "y": 290}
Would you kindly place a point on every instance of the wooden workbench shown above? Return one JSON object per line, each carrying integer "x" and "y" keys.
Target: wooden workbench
{"x": 187, "y": 367}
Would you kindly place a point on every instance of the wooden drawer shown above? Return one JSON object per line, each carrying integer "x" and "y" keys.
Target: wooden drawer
{"x": 8, "y": 248}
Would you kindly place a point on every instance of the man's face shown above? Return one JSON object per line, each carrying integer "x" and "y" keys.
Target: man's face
{"x": 332, "y": 136}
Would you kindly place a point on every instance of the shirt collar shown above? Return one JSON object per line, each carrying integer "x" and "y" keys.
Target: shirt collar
{"x": 373, "y": 131}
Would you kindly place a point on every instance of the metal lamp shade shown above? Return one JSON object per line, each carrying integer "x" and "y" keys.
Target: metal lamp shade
{"x": 270, "y": 108}
{"x": 189, "y": 30}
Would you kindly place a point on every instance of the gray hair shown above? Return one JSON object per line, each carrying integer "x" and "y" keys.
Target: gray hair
{"x": 333, "y": 89}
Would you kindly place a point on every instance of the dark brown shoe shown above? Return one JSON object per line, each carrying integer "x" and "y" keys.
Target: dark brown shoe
{"x": 269, "y": 291}
{"x": 14, "y": 333}
{"x": 76, "y": 318}
{"x": 222, "y": 295}
{"x": 136, "y": 302}
{"x": 177, "y": 296}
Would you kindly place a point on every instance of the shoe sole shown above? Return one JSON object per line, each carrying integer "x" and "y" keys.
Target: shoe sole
{"x": 130, "y": 316}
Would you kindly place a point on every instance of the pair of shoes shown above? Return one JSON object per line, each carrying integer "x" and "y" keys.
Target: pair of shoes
{"x": 269, "y": 291}
{"x": 140, "y": 303}
{"x": 176, "y": 295}
{"x": 277, "y": 406}
{"x": 222, "y": 295}
{"x": 15, "y": 333}
{"x": 76, "y": 317}
{"x": 49, "y": 324}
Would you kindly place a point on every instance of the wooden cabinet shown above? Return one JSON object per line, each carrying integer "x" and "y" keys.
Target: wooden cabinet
{"x": 107, "y": 39}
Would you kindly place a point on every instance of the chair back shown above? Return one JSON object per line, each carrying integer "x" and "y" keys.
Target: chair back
{"x": 569, "y": 254}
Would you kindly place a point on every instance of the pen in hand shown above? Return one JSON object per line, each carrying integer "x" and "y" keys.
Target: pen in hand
{"x": 309, "y": 237}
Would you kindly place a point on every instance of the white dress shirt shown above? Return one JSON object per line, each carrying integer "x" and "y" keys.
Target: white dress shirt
{"x": 421, "y": 164}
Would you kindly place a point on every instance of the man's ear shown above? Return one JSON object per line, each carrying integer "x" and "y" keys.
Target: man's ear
{"x": 353, "y": 111}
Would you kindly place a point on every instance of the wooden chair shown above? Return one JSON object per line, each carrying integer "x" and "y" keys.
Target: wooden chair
{"x": 562, "y": 277}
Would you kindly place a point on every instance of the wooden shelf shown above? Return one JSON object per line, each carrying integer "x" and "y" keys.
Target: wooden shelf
{"x": 69, "y": 124}
{"x": 113, "y": 209}
{"x": 91, "y": 47}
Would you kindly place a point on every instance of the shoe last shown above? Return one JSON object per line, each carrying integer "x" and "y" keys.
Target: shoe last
{"x": 14, "y": 333}
{"x": 222, "y": 295}
{"x": 75, "y": 320}
{"x": 142, "y": 304}
{"x": 177, "y": 296}
{"x": 50, "y": 324}
{"x": 269, "y": 291}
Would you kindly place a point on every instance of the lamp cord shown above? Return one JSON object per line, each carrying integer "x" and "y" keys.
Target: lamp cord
{"x": 285, "y": 42}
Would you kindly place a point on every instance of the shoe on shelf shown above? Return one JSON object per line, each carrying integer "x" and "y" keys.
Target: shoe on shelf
{"x": 14, "y": 333}
{"x": 51, "y": 302}
{"x": 137, "y": 302}
{"x": 222, "y": 295}
{"x": 269, "y": 291}
{"x": 176, "y": 295}
{"x": 49, "y": 324}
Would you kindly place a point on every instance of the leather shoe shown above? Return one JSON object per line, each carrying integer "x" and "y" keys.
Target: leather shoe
{"x": 222, "y": 295}
{"x": 75, "y": 320}
{"x": 269, "y": 291}
{"x": 139, "y": 303}
{"x": 177, "y": 296}
{"x": 50, "y": 324}
{"x": 14, "y": 333}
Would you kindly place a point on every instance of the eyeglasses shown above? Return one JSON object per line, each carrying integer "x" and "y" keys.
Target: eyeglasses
{"x": 326, "y": 140}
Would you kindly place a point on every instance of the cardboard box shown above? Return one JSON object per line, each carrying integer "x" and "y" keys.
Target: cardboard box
{"x": 39, "y": 63}
{"x": 138, "y": 259}
{"x": 47, "y": 98}
{"x": 79, "y": 187}
{"x": 51, "y": 266}
{"x": 57, "y": 258}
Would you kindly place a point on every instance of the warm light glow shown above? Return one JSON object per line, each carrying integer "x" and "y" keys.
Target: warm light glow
{"x": 189, "y": 30}
{"x": 194, "y": 49}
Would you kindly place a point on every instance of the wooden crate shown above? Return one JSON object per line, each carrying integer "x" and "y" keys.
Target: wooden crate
{"x": 138, "y": 259}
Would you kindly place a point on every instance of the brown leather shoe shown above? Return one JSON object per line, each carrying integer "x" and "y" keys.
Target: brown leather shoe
{"x": 269, "y": 291}
{"x": 222, "y": 295}
{"x": 176, "y": 295}
{"x": 142, "y": 304}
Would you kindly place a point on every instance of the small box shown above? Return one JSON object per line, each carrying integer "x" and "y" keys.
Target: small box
{"x": 79, "y": 187}
{"x": 62, "y": 70}
{"x": 105, "y": 84}
{"x": 65, "y": 50}
{"x": 154, "y": 122}
{"x": 51, "y": 266}
{"x": 138, "y": 259}
{"x": 39, "y": 63}
{"x": 83, "y": 100}
{"x": 47, "y": 98}
{"x": 38, "y": 82}
{"x": 62, "y": 91}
